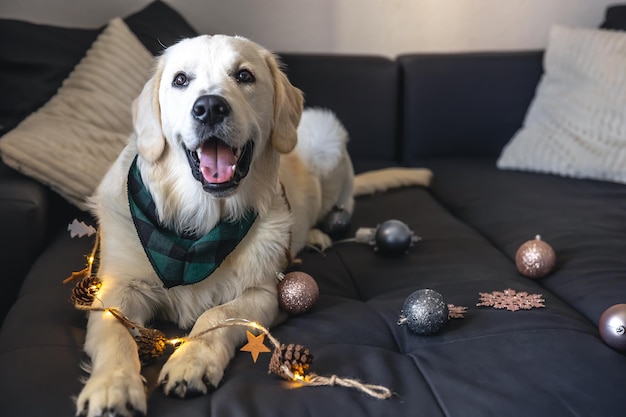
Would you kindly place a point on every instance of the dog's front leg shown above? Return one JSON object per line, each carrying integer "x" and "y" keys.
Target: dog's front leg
{"x": 115, "y": 386}
{"x": 197, "y": 366}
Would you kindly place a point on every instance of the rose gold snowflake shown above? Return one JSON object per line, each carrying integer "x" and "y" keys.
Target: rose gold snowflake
{"x": 456, "y": 312}
{"x": 511, "y": 300}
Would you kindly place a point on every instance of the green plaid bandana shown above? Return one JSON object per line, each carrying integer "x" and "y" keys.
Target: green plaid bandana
{"x": 180, "y": 260}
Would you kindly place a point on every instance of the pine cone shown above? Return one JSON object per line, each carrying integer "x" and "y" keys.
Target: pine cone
{"x": 295, "y": 358}
{"x": 151, "y": 344}
{"x": 85, "y": 291}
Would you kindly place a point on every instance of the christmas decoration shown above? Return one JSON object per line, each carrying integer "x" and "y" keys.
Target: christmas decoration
{"x": 535, "y": 258}
{"x": 255, "y": 345}
{"x": 337, "y": 223}
{"x": 151, "y": 343}
{"x": 392, "y": 237}
{"x": 297, "y": 292}
{"x": 424, "y": 312}
{"x": 87, "y": 284}
{"x": 511, "y": 300}
{"x": 84, "y": 293}
{"x": 456, "y": 312}
{"x": 295, "y": 358}
{"x": 80, "y": 229}
{"x": 290, "y": 362}
{"x": 612, "y": 326}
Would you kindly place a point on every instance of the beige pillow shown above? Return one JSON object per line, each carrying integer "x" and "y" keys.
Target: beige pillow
{"x": 70, "y": 142}
{"x": 576, "y": 124}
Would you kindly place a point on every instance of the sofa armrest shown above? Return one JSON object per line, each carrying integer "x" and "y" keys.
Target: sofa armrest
{"x": 467, "y": 104}
{"x": 23, "y": 214}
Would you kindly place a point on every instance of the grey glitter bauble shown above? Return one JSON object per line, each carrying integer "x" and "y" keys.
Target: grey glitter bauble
{"x": 424, "y": 312}
{"x": 297, "y": 292}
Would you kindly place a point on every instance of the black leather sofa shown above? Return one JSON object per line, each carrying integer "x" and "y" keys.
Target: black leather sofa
{"x": 451, "y": 113}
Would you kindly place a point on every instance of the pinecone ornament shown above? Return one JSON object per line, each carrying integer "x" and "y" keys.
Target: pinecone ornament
{"x": 290, "y": 360}
{"x": 151, "y": 343}
{"x": 85, "y": 291}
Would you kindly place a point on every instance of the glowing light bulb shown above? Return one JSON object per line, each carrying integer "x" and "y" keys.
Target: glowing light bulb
{"x": 175, "y": 342}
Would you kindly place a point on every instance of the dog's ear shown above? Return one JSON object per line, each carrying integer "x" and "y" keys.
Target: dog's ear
{"x": 147, "y": 119}
{"x": 288, "y": 102}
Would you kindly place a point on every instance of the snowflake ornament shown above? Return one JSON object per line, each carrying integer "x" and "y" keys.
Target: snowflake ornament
{"x": 456, "y": 312}
{"x": 511, "y": 300}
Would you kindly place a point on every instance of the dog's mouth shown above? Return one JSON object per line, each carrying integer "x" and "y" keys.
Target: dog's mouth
{"x": 220, "y": 167}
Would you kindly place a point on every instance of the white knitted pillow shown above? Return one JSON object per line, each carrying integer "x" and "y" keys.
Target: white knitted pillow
{"x": 70, "y": 142}
{"x": 576, "y": 124}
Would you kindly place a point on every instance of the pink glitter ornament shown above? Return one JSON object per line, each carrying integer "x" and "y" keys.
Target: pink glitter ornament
{"x": 535, "y": 258}
{"x": 297, "y": 292}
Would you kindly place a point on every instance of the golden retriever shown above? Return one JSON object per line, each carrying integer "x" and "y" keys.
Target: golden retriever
{"x": 215, "y": 145}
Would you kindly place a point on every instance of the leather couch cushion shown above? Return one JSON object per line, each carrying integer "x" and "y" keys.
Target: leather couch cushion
{"x": 581, "y": 219}
{"x": 541, "y": 362}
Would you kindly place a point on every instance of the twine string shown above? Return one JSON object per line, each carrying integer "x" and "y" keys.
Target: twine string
{"x": 376, "y": 391}
{"x": 236, "y": 322}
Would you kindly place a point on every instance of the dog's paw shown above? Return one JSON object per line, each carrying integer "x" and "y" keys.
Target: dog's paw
{"x": 193, "y": 369}
{"x": 116, "y": 393}
{"x": 318, "y": 239}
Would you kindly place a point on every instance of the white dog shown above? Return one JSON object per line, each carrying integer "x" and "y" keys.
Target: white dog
{"x": 203, "y": 208}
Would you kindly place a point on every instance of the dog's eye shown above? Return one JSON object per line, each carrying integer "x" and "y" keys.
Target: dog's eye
{"x": 244, "y": 76}
{"x": 180, "y": 80}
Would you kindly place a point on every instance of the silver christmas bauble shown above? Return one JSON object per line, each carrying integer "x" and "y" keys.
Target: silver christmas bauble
{"x": 424, "y": 312}
{"x": 612, "y": 326}
{"x": 393, "y": 237}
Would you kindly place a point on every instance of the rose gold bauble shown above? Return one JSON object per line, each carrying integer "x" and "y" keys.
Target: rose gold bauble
{"x": 612, "y": 326}
{"x": 535, "y": 258}
{"x": 297, "y": 292}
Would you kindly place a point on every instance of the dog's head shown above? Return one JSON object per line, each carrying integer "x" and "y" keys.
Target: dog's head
{"x": 220, "y": 101}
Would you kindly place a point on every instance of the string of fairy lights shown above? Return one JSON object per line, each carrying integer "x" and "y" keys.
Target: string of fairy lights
{"x": 291, "y": 362}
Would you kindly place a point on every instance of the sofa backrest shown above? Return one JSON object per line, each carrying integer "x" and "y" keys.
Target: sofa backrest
{"x": 615, "y": 17}
{"x": 420, "y": 105}
{"x": 362, "y": 91}
{"x": 466, "y": 104}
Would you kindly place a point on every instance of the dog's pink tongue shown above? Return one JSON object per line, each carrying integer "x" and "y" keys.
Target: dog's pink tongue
{"x": 217, "y": 162}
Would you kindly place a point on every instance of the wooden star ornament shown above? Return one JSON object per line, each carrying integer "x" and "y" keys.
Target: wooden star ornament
{"x": 255, "y": 345}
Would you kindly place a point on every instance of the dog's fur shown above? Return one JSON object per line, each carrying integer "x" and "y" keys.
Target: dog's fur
{"x": 291, "y": 184}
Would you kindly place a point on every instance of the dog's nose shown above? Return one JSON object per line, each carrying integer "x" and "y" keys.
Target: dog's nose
{"x": 210, "y": 109}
